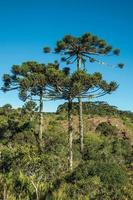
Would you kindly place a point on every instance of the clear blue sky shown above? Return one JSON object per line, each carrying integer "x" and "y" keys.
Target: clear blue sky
{"x": 28, "y": 25}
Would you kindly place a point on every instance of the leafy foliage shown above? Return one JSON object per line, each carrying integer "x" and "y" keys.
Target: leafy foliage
{"x": 25, "y": 172}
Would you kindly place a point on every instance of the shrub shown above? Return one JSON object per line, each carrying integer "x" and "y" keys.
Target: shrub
{"x": 109, "y": 177}
{"x": 106, "y": 129}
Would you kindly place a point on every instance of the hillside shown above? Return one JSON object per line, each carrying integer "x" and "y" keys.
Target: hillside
{"x": 28, "y": 172}
{"x": 98, "y": 112}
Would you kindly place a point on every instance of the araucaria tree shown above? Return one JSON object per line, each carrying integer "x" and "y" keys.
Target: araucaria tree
{"x": 73, "y": 86}
{"x": 32, "y": 82}
{"x": 80, "y": 49}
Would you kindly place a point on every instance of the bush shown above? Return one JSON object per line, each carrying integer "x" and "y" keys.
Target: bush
{"x": 95, "y": 178}
{"x": 106, "y": 129}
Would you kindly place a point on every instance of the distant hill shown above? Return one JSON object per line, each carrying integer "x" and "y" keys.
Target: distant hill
{"x": 97, "y": 108}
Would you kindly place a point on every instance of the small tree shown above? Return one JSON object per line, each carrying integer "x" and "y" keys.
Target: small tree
{"x": 29, "y": 107}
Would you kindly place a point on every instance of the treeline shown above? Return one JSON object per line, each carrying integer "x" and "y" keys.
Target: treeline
{"x": 97, "y": 108}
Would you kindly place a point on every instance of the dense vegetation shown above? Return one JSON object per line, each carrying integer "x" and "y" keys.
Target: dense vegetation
{"x": 28, "y": 172}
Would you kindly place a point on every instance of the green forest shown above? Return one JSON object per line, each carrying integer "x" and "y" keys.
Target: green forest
{"x": 83, "y": 151}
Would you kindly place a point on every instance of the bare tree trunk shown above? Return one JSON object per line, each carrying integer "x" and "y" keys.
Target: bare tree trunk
{"x": 80, "y": 113}
{"x": 31, "y": 116}
{"x": 37, "y": 195}
{"x": 70, "y": 136}
{"x": 4, "y": 192}
{"x": 81, "y": 125}
{"x": 36, "y": 189}
{"x": 40, "y": 117}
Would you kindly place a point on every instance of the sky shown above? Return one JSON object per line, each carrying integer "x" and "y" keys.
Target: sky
{"x": 26, "y": 26}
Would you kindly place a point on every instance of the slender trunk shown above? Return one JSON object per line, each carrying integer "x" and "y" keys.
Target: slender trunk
{"x": 70, "y": 136}
{"x": 31, "y": 116}
{"x": 36, "y": 189}
{"x": 81, "y": 125}
{"x": 4, "y": 192}
{"x": 4, "y": 184}
{"x": 37, "y": 195}
{"x": 80, "y": 113}
{"x": 78, "y": 62}
{"x": 40, "y": 117}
